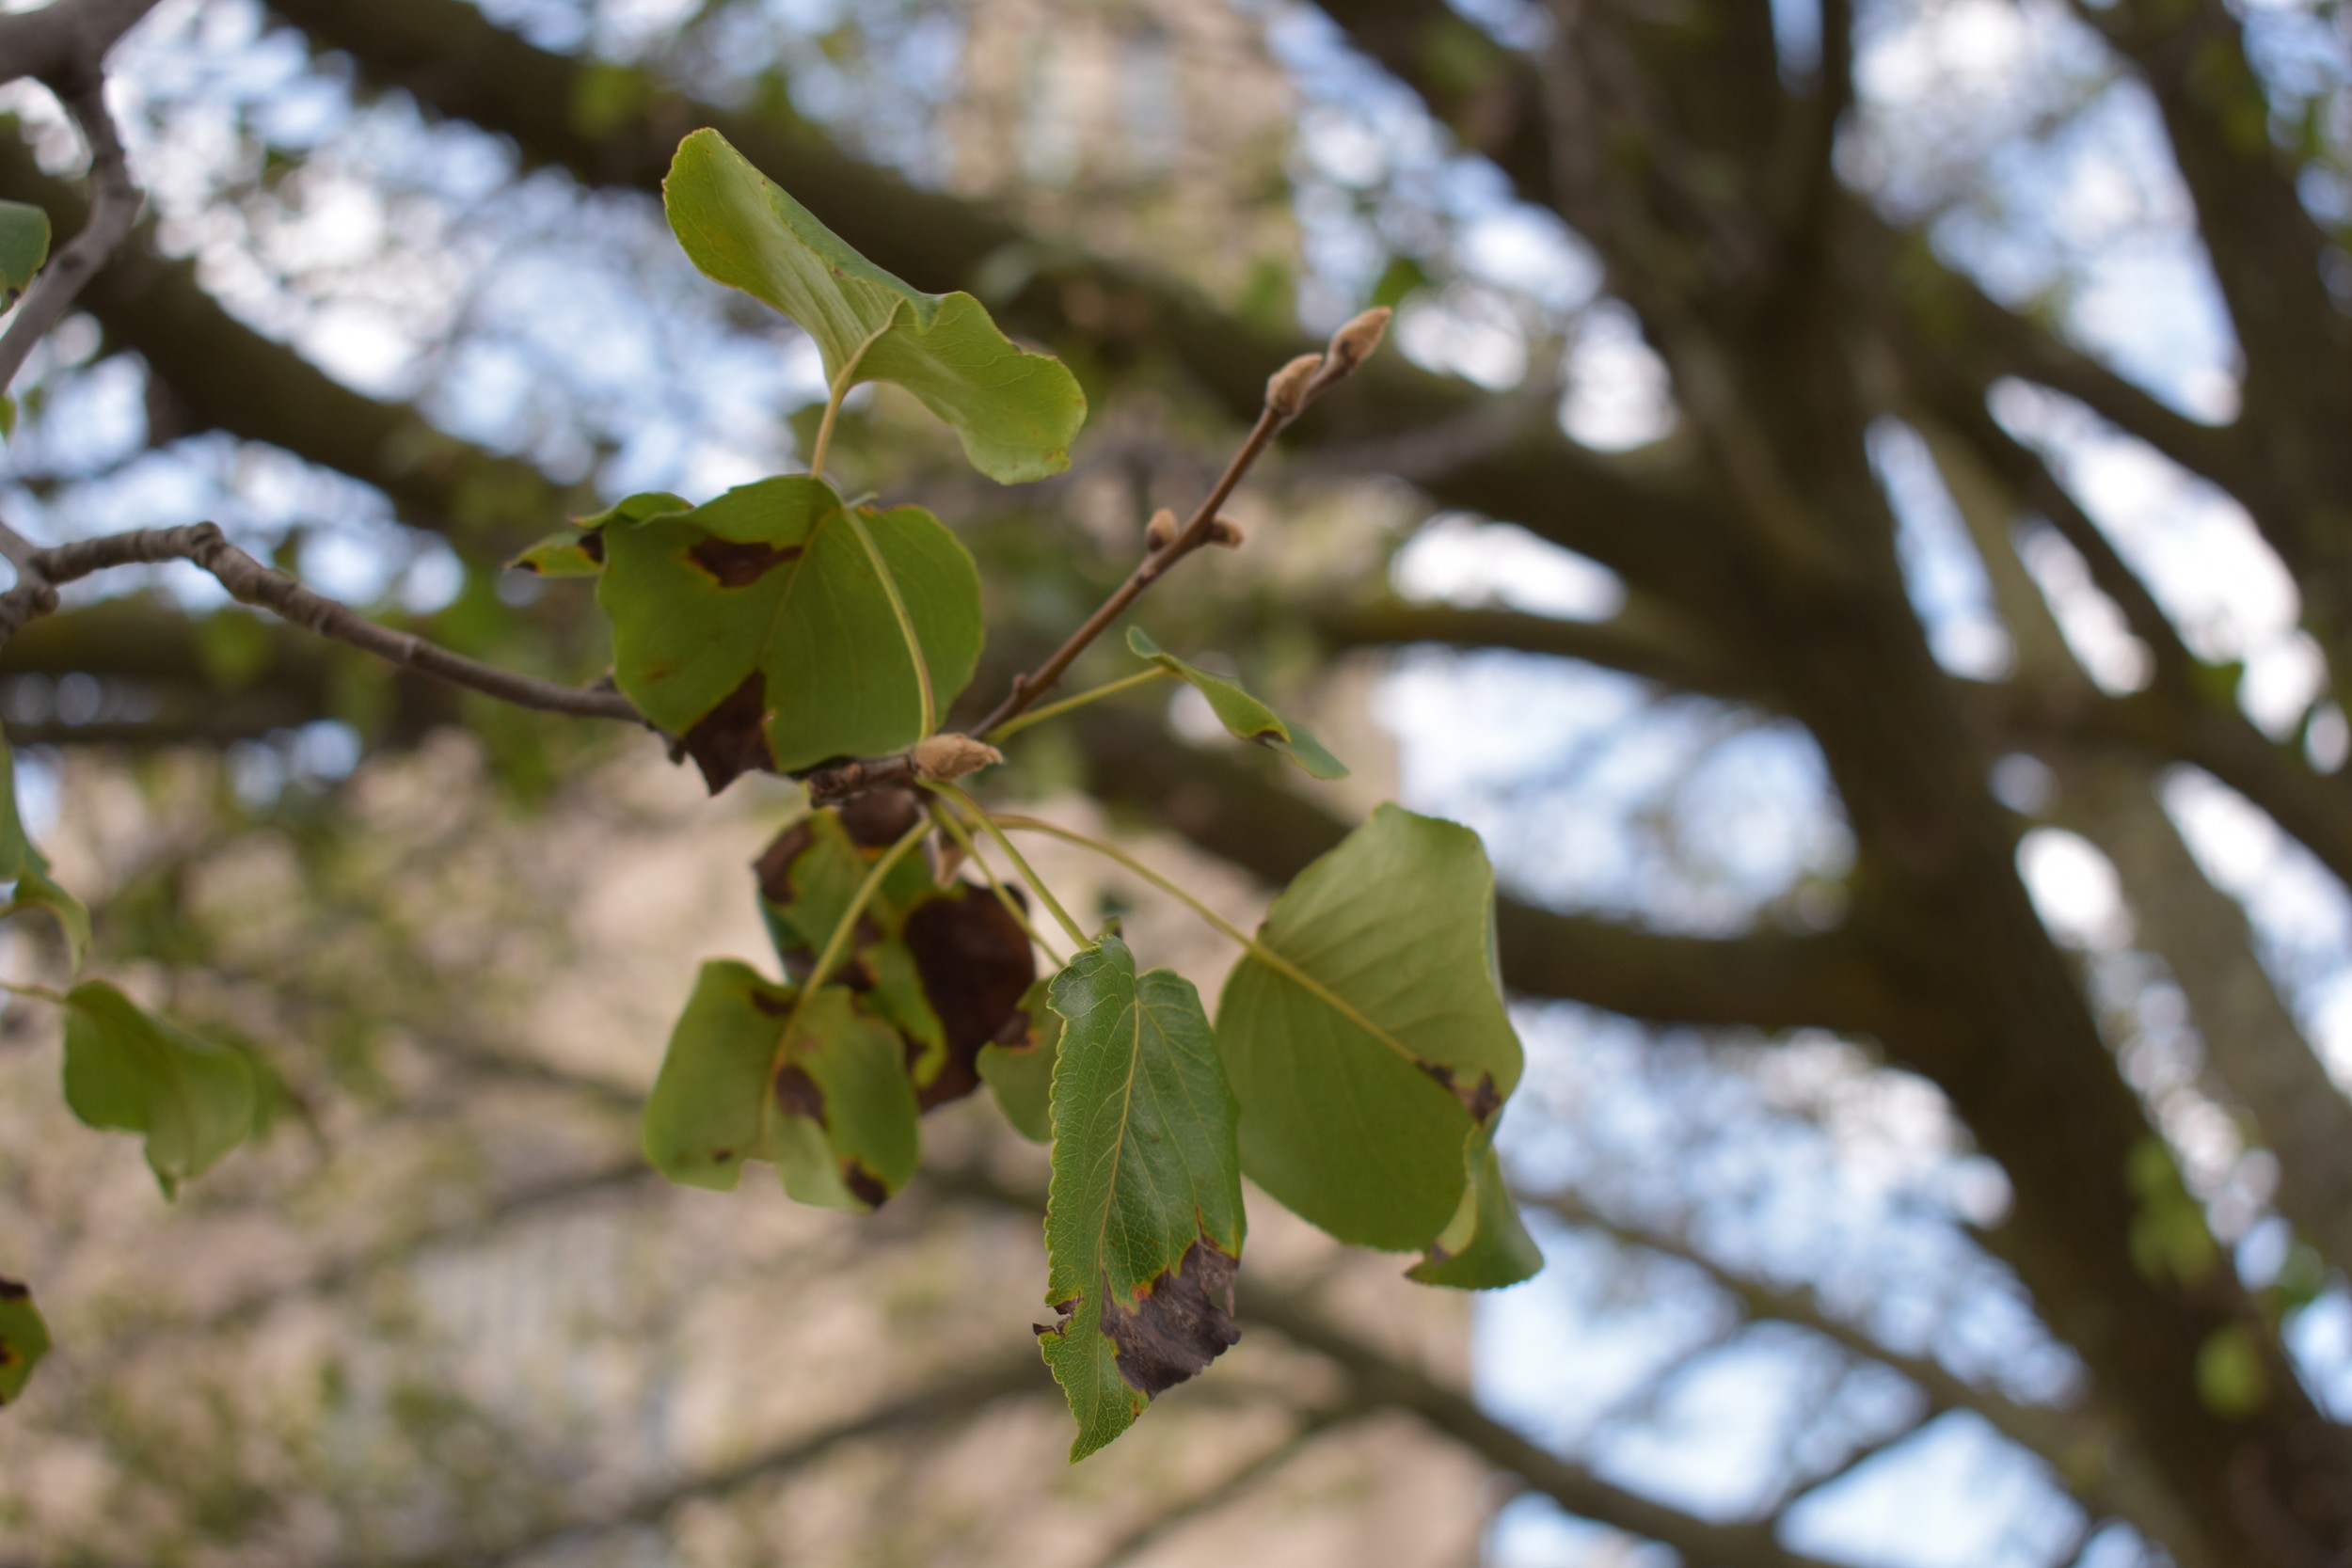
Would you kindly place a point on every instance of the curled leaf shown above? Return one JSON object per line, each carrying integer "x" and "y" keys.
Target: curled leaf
{"x": 1486, "y": 1246}
{"x": 1016, "y": 412}
{"x": 1244, "y": 716}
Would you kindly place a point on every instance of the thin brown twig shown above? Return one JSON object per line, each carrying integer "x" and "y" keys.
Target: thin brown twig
{"x": 41, "y": 571}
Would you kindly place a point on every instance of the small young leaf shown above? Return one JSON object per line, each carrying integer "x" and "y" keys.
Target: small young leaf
{"x": 1244, "y": 717}
{"x": 1016, "y": 412}
{"x": 577, "y": 551}
{"x": 24, "y": 247}
{"x": 755, "y": 629}
{"x": 1366, "y": 1036}
{"x": 126, "y": 1068}
{"x": 24, "y": 865}
{"x": 1018, "y": 1066}
{"x": 833, "y": 1110}
{"x": 1143, "y": 1221}
{"x": 24, "y": 1338}
{"x": 1486, "y": 1246}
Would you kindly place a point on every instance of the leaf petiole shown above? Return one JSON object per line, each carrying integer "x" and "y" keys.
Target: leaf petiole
{"x": 1020, "y": 722}
{"x": 1257, "y": 949}
{"x": 40, "y": 994}
{"x": 835, "y": 393}
{"x": 1021, "y": 863}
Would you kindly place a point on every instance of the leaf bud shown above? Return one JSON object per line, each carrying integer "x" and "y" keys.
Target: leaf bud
{"x": 1160, "y": 532}
{"x": 1352, "y": 345}
{"x": 1225, "y": 533}
{"x": 1286, "y": 388}
{"x": 948, "y": 756}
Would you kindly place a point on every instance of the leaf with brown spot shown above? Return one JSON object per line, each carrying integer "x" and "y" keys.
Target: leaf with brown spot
{"x": 976, "y": 965}
{"x": 24, "y": 1340}
{"x": 947, "y": 966}
{"x": 759, "y": 628}
{"x": 1143, "y": 1222}
{"x": 577, "y": 551}
{"x": 831, "y": 1107}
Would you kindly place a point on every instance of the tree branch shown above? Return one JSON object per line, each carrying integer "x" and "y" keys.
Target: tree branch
{"x": 65, "y": 41}
{"x": 250, "y": 582}
{"x": 114, "y": 207}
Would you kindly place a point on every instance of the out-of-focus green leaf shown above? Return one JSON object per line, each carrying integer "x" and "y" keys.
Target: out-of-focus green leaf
{"x": 24, "y": 865}
{"x": 1244, "y": 717}
{"x": 1143, "y": 1222}
{"x": 2231, "y": 1380}
{"x": 24, "y": 247}
{"x": 833, "y": 1110}
{"x": 757, "y": 630}
{"x": 1366, "y": 1037}
{"x": 1018, "y": 1066}
{"x": 1486, "y": 1246}
{"x": 127, "y": 1069}
{"x": 1016, "y": 412}
{"x": 1401, "y": 278}
{"x": 24, "y": 1340}
{"x": 236, "y": 646}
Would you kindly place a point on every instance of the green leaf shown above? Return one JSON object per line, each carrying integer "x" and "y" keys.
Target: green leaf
{"x": 1143, "y": 1222}
{"x": 756, "y": 630}
{"x": 847, "y": 1137}
{"x": 1016, "y": 412}
{"x": 1365, "y": 1033}
{"x": 24, "y": 865}
{"x": 1244, "y": 717}
{"x": 1019, "y": 1070}
{"x": 945, "y": 966}
{"x": 833, "y": 1111}
{"x": 577, "y": 551}
{"x": 24, "y": 247}
{"x": 1486, "y": 1246}
{"x": 128, "y": 1070}
{"x": 24, "y": 1340}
